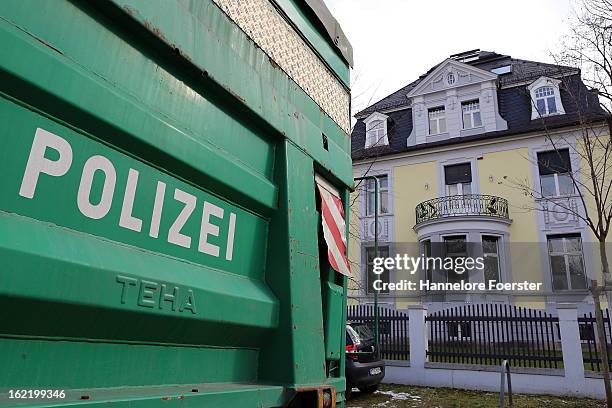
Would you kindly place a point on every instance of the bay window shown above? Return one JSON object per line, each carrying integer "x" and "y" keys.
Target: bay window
{"x": 456, "y": 247}
{"x": 425, "y": 254}
{"x": 490, "y": 250}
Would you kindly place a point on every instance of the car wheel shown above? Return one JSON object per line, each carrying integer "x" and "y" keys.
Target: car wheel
{"x": 369, "y": 390}
{"x": 349, "y": 390}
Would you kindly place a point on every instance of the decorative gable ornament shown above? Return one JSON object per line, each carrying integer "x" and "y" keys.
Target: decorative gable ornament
{"x": 451, "y": 78}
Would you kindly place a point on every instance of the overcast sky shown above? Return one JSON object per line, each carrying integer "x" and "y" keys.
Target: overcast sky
{"x": 395, "y": 41}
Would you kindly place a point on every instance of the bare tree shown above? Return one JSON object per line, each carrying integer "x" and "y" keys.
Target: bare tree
{"x": 374, "y": 151}
{"x": 582, "y": 157}
{"x": 589, "y": 47}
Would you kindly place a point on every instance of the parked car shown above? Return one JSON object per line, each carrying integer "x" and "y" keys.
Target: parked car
{"x": 363, "y": 369}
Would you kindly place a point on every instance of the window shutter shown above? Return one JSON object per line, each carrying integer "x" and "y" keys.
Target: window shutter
{"x": 554, "y": 162}
{"x": 458, "y": 173}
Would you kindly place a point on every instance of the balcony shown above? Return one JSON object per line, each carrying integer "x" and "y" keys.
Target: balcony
{"x": 439, "y": 209}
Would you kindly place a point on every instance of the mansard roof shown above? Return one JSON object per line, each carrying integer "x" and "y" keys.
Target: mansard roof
{"x": 515, "y": 104}
{"x": 521, "y": 71}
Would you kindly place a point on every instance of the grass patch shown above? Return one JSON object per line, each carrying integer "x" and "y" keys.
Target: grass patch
{"x": 407, "y": 396}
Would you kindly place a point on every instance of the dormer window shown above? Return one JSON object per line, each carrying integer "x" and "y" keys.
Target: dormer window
{"x": 545, "y": 98}
{"x": 437, "y": 120}
{"x": 376, "y": 130}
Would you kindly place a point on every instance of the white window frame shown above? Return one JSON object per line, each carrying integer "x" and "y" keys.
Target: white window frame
{"x": 380, "y": 191}
{"x": 554, "y": 175}
{"x": 538, "y": 84}
{"x": 566, "y": 254}
{"x": 498, "y": 239}
{"x": 460, "y": 186}
{"x": 545, "y": 93}
{"x": 445, "y": 254}
{"x": 470, "y": 113}
{"x": 376, "y": 130}
{"x": 557, "y": 188}
{"x": 437, "y": 120}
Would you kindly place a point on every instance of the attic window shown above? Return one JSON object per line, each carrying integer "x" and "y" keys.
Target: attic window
{"x": 376, "y": 130}
{"x": 471, "y": 114}
{"x": 545, "y": 98}
{"x": 506, "y": 69}
{"x": 437, "y": 120}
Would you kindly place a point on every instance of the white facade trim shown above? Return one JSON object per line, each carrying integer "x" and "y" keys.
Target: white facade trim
{"x": 448, "y": 66}
{"x": 468, "y": 83}
{"x": 507, "y": 142}
{"x": 449, "y": 225}
{"x": 555, "y": 227}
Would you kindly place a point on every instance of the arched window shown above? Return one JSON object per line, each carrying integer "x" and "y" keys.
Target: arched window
{"x": 545, "y": 100}
{"x": 376, "y": 130}
{"x": 545, "y": 97}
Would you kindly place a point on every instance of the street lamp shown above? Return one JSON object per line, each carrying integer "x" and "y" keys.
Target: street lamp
{"x": 376, "y": 291}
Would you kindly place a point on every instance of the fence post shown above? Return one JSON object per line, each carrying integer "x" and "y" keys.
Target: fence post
{"x": 570, "y": 341}
{"x": 417, "y": 333}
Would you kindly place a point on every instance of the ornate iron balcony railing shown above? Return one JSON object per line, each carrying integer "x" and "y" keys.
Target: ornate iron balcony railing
{"x": 460, "y": 206}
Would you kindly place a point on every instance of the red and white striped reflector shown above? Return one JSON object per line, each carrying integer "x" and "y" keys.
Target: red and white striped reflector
{"x": 334, "y": 227}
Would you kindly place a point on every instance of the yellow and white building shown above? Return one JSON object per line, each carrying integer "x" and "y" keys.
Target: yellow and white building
{"x": 473, "y": 158}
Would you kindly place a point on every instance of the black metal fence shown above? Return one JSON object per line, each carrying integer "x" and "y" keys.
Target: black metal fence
{"x": 587, "y": 325}
{"x": 392, "y": 327}
{"x": 461, "y": 205}
{"x": 490, "y": 333}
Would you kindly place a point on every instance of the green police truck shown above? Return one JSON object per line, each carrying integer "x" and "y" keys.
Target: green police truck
{"x": 161, "y": 238}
